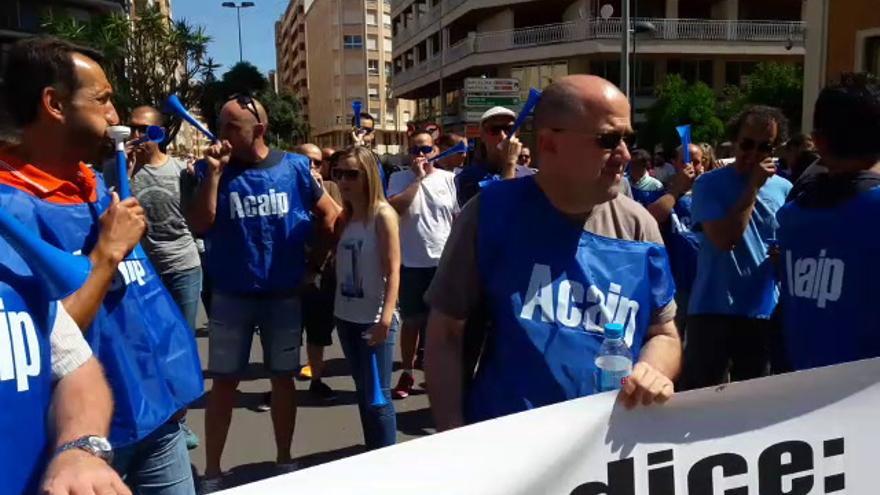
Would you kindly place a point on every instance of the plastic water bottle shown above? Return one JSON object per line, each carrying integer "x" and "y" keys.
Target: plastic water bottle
{"x": 614, "y": 361}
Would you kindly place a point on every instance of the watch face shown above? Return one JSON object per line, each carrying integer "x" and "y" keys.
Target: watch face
{"x": 100, "y": 444}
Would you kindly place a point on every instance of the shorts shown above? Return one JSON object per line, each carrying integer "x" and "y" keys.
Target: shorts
{"x": 231, "y": 331}
{"x": 317, "y": 314}
{"x": 414, "y": 282}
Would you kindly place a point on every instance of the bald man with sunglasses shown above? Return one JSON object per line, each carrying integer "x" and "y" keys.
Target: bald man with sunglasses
{"x": 579, "y": 256}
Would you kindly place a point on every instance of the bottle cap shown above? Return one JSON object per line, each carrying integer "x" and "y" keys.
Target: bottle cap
{"x": 613, "y": 331}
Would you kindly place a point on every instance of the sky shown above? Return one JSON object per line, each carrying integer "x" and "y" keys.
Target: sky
{"x": 257, "y": 30}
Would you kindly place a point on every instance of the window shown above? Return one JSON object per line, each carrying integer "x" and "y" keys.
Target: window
{"x": 373, "y": 92}
{"x": 539, "y": 76}
{"x": 736, "y": 72}
{"x": 386, "y": 20}
{"x": 693, "y": 71}
{"x": 389, "y": 69}
{"x": 372, "y": 42}
{"x": 353, "y": 41}
{"x": 872, "y": 55}
{"x": 373, "y": 66}
{"x": 387, "y": 44}
{"x": 371, "y": 18}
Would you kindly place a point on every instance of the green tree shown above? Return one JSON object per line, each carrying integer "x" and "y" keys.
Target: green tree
{"x": 147, "y": 57}
{"x": 680, "y": 103}
{"x": 777, "y": 85}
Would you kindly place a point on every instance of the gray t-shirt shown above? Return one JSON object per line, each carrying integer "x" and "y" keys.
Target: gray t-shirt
{"x": 168, "y": 242}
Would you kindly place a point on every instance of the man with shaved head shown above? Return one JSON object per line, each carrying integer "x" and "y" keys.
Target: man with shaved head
{"x": 60, "y": 104}
{"x": 579, "y": 257}
{"x": 256, "y": 208}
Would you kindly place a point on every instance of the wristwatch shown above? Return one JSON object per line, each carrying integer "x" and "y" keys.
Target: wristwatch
{"x": 95, "y": 445}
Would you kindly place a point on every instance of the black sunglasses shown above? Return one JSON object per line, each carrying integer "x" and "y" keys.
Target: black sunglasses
{"x": 247, "y": 101}
{"x": 142, "y": 129}
{"x": 416, "y": 150}
{"x": 748, "y": 144}
{"x": 366, "y": 130}
{"x": 347, "y": 174}
{"x": 496, "y": 129}
{"x": 608, "y": 140}
{"x": 525, "y": 157}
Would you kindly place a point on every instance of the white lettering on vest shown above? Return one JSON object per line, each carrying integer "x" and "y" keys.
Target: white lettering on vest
{"x": 569, "y": 309}
{"x": 19, "y": 348}
{"x": 819, "y": 279}
{"x": 261, "y": 205}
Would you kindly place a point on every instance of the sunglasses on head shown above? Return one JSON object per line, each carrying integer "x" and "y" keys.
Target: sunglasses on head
{"x": 748, "y": 144}
{"x": 247, "y": 101}
{"x": 496, "y": 129}
{"x": 417, "y": 150}
{"x": 347, "y": 174}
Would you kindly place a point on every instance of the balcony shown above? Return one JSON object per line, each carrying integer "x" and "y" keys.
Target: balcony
{"x": 585, "y": 36}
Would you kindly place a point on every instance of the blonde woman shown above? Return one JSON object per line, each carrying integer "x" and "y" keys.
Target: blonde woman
{"x": 367, "y": 281}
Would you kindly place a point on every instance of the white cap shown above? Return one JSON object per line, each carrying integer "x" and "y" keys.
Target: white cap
{"x": 497, "y": 112}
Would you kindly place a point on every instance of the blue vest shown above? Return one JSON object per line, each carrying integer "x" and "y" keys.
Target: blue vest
{"x": 25, "y": 382}
{"x": 550, "y": 288}
{"x": 682, "y": 244}
{"x": 146, "y": 347}
{"x": 830, "y": 265}
{"x": 257, "y": 243}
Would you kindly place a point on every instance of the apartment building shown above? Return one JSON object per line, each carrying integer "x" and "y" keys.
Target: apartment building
{"x": 290, "y": 52}
{"x": 844, "y": 37}
{"x": 439, "y": 43}
{"x": 349, "y": 58}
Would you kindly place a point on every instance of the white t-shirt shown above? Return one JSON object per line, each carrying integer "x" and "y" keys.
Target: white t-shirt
{"x": 425, "y": 226}
{"x": 69, "y": 347}
{"x": 360, "y": 283}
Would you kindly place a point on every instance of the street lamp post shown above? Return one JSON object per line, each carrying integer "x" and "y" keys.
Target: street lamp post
{"x": 233, "y": 5}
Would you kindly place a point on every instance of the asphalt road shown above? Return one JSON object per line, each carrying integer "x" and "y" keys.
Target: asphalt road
{"x": 325, "y": 431}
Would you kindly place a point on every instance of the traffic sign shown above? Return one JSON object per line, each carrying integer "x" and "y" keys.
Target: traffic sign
{"x": 491, "y": 101}
{"x": 480, "y": 85}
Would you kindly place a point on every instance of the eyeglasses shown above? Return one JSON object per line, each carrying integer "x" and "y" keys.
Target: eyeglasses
{"x": 608, "y": 140}
{"x": 140, "y": 129}
{"x": 247, "y": 101}
{"x": 525, "y": 157}
{"x": 748, "y": 144}
{"x": 496, "y": 129}
{"x": 339, "y": 174}
{"x": 418, "y": 150}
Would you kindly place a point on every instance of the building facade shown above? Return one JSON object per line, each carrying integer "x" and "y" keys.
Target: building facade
{"x": 844, "y": 37}
{"x": 164, "y": 6}
{"x": 439, "y": 43}
{"x": 291, "y": 57}
{"x": 338, "y": 53}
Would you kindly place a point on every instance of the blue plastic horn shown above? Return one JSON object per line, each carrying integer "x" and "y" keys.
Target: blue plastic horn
{"x": 531, "y": 103}
{"x": 173, "y": 105}
{"x": 154, "y": 134}
{"x": 356, "y": 109}
{"x": 60, "y": 273}
{"x": 378, "y": 397}
{"x": 461, "y": 147}
{"x": 684, "y": 132}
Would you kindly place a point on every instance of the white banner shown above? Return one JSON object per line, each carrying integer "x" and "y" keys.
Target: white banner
{"x": 804, "y": 433}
